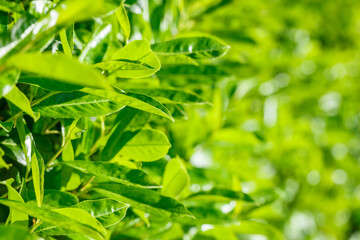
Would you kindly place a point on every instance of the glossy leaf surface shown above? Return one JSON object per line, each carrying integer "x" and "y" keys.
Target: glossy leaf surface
{"x": 113, "y": 172}
{"x": 147, "y": 145}
{"x": 59, "y": 68}
{"x": 107, "y": 211}
{"x": 74, "y": 220}
{"x": 135, "y": 60}
{"x": 143, "y": 199}
{"x": 194, "y": 47}
{"x": 75, "y": 105}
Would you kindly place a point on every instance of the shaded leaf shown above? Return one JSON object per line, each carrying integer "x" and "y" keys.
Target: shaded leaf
{"x": 16, "y": 216}
{"x": 219, "y": 194}
{"x": 96, "y": 47}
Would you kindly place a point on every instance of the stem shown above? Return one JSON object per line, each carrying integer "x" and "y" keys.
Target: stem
{"x": 86, "y": 185}
{"x": 55, "y": 156}
{"x": 65, "y": 43}
{"x": 59, "y": 151}
{"x": 37, "y": 223}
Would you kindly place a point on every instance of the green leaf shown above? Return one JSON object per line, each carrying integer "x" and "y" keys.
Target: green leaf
{"x": 123, "y": 21}
{"x": 48, "y": 83}
{"x": 96, "y": 47}
{"x": 16, "y": 216}
{"x": 38, "y": 171}
{"x": 3, "y": 164}
{"x": 8, "y": 80}
{"x": 220, "y": 194}
{"x": 75, "y": 105}
{"x": 114, "y": 172}
{"x": 148, "y": 145}
{"x": 56, "y": 199}
{"x": 65, "y": 43}
{"x": 143, "y": 199}
{"x": 164, "y": 95}
{"x": 10, "y": 6}
{"x": 58, "y": 67}
{"x": 7, "y": 126}
{"x": 107, "y": 211}
{"x": 15, "y": 233}
{"x": 117, "y": 140}
{"x": 194, "y": 47}
{"x": 138, "y": 101}
{"x": 76, "y": 220}
{"x": 16, "y": 97}
{"x": 135, "y": 60}
{"x": 176, "y": 178}
{"x": 37, "y": 34}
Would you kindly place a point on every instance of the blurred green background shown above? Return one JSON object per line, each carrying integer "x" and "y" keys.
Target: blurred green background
{"x": 285, "y": 119}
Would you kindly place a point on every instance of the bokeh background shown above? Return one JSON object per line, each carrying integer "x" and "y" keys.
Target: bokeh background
{"x": 284, "y": 124}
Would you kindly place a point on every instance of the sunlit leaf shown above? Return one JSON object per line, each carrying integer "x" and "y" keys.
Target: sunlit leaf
{"x": 76, "y": 220}
{"x": 202, "y": 47}
{"x": 114, "y": 172}
{"x": 143, "y": 199}
{"x": 175, "y": 178}
{"x": 148, "y": 145}
{"x": 59, "y": 68}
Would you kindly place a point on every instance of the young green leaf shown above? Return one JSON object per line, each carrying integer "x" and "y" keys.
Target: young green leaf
{"x": 75, "y": 105}
{"x": 138, "y": 101}
{"x": 59, "y": 68}
{"x": 16, "y": 216}
{"x": 107, "y": 211}
{"x": 143, "y": 199}
{"x": 135, "y": 60}
{"x": 117, "y": 139}
{"x": 76, "y": 220}
{"x": 114, "y": 172}
{"x": 202, "y": 47}
{"x": 123, "y": 21}
{"x": 176, "y": 178}
{"x": 8, "y": 80}
{"x": 38, "y": 171}
{"x": 148, "y": 145}
{"x": 16, "y": 97}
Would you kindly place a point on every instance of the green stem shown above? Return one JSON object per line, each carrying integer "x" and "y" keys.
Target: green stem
{"x": 65, "y": 43}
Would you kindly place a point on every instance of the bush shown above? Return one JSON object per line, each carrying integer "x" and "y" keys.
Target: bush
{"x": 178, "y": 120}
